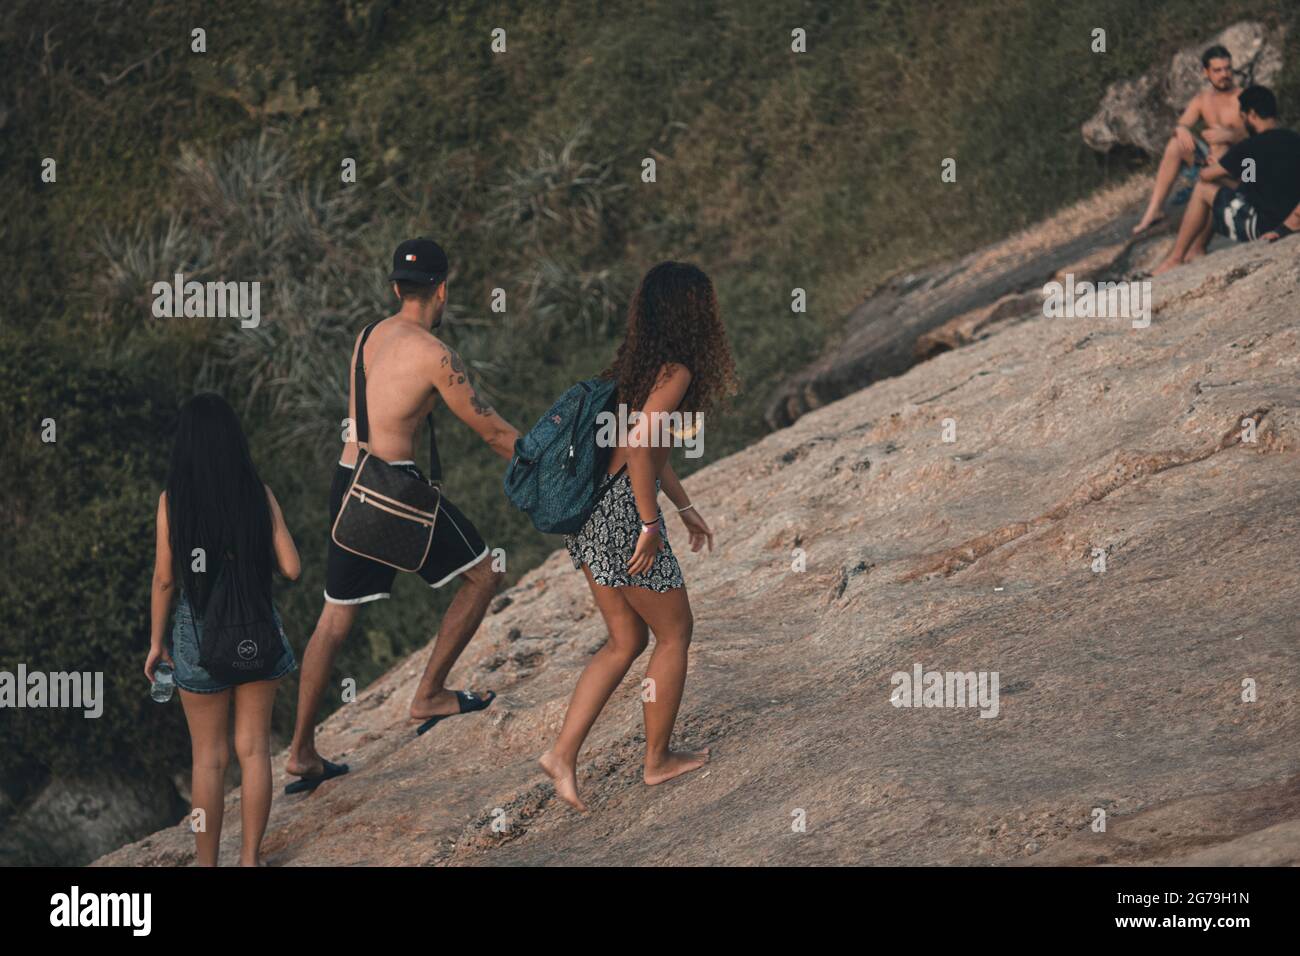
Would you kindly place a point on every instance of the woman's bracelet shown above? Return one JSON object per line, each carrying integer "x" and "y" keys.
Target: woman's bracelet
{"x": 687, "y": 508}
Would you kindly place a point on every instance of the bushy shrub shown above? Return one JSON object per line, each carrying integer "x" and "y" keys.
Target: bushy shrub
{"x": 76, "y": 556}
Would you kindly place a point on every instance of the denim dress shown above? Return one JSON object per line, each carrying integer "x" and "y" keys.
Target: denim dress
{"x": 186, "y": 633}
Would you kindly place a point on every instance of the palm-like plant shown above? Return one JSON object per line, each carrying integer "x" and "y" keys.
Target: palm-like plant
{"x": 554, "y": 188}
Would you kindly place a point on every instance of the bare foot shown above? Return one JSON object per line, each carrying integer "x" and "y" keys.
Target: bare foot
{"x": 444, "y": 703}
{"x": 675, "y": 764}
{"x": 1165, "y": 267}
{"x": 565, "y": 777}
{"x": 1148, "y": 221}
{"x": 305, "y": 765}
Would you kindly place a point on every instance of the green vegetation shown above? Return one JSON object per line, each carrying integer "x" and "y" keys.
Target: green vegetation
{"x": 775, "y": 170}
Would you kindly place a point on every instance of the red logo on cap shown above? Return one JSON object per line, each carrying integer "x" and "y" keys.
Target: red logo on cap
{"x": 410, "y": 257}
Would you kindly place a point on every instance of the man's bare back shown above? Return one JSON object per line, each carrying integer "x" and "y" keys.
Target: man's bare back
{"x": 407, "y": 369}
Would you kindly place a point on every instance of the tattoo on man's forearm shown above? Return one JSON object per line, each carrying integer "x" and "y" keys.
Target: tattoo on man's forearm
{"x": 480, "y": 406}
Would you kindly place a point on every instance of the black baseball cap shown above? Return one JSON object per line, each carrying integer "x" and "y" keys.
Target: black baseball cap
{"x": 419, "y": 260}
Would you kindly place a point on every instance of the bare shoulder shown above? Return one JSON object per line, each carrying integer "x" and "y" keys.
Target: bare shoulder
{"x": 674, "y": 373}
{"x": 670, "y": 386}
{"x": 431, "y": 342}
{"x": 449, "y": 368}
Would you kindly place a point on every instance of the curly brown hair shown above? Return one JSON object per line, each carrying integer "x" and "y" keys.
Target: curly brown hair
{"x": 674, "y": 318}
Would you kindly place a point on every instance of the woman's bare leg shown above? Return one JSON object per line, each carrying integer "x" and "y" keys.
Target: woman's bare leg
{"x": 606, "y": 669}
{"x": 253, "y": 704}
{"x": 669, "y": 616}
{"x": 207, "y": 716}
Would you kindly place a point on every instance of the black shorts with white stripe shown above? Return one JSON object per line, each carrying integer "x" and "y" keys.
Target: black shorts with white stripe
{"x": 351, "y": 579}
{"x": 1234, "y": 216}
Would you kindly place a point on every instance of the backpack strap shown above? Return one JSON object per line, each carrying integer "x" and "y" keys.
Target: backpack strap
{"x": 363, "y": 419}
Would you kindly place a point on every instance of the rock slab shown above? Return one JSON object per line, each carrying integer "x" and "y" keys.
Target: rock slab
{"x": 1160, "y": 690}
{"x": 1141, "y": 112}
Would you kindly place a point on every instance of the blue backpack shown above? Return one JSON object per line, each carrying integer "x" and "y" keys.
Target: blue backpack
{"x": 557, "y": 473}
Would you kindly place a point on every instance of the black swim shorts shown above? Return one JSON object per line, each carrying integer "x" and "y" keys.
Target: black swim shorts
{"x": 1234, "y": 216}
{"x": 352, "y": 579}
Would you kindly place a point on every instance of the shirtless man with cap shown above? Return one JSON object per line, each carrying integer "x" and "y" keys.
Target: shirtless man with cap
{"x": 407, "y": 368}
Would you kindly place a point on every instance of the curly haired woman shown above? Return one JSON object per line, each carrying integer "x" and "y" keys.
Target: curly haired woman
{"x": 674, "y": 359}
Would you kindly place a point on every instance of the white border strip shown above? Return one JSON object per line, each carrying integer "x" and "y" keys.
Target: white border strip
{"x": 462, "y": 568}
{"x": 360, "y": 600}
{"x": 353, "y": 466}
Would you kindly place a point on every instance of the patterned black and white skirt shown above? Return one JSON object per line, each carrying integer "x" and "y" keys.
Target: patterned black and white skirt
{"x": 608, "y": 539}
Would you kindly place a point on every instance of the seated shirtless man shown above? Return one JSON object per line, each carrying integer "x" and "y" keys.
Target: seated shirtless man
{"x": 406, "y": 369}
{"x": 1252, "y": 192}
{"x": 1215, "y": 107}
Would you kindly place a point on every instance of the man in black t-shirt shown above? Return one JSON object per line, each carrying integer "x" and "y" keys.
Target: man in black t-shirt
{"x": 1252, "y": 192}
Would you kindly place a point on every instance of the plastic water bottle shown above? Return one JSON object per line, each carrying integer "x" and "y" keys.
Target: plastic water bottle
{"x": 163, "y": 683}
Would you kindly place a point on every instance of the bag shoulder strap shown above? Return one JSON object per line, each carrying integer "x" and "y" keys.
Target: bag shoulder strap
{"x": 435, "y": 465}
{"x": 363, "y": 419}
{"x": 362, "y": 424}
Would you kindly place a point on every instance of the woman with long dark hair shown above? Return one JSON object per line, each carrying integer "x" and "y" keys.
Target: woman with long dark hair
{"x": 674, "y": 358}
{"x": 217, "y": 518}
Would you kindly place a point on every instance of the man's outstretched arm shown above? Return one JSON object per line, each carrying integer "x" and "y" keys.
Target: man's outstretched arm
{"x": 451, "y": 378}
{"x": 1212, "y": 172}
{"x": 1222, "y": 135}
{"x": 1289, "y": 225}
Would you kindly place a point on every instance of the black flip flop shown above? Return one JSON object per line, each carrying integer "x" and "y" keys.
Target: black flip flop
{"x": 308, "y": 784}
{"x": 469, "y": 702}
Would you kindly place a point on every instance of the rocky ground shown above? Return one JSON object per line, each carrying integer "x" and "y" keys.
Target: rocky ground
{"x": 1120, "y": 690}
{"x": 917, "y": 315}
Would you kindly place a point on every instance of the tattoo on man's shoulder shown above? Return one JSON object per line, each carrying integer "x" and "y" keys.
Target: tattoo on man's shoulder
{"x": 458, "y": 373}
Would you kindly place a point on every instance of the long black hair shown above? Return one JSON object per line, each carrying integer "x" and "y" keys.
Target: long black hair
{"x": 217, "y": 502}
